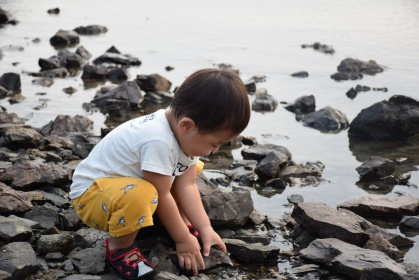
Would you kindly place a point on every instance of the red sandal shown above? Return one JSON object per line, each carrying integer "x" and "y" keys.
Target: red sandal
{"x": 193, "y": 231}
{"x": 129, "y": 269}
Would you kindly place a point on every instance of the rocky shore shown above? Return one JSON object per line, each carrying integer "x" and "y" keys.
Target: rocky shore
{"x": 41, "y": 237}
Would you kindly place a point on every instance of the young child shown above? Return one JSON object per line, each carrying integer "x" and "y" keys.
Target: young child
{"x": 131, "y": 172}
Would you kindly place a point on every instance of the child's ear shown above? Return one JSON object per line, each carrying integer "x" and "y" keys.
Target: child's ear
{"x": 186, "y": 125}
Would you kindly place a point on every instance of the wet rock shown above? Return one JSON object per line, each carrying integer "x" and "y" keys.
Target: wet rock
{"x": 54, "y": 11}
{"x": 376, "y": 168}
{"x": 301, "y": 171}
{"x": 64, "y": 38}
{"x": 117, "y": 74}
{"x": 410, "y": 222}
{"x": 351, "y": 261}
{"x": 304, "y": 104}
{"x": 83, "y": 52}
{"x": 12, "y": 201}
{"x": 153, "y": 83}
{"x": 383, "y": 245}
{"x": 241, "y": 174}
{"x": 301, "y": 74}
{"x": 128, "y": 90}
{"x": 5, "y": 17}
{"x": 45, "y": 82}
{"x": 9, "y": 118}
{"x": 270, "y": 166}
{"x": 69, "y": 90}
{"x": 11, "y": 82}
{"x": 322, "y": 221}
{"x": 53, "y": 62}
{"x": 323, "y": 48}
{"x": 71, "y": 60}
{"x": 60, "y": 72}
{"x": 382, "y": 206}
{"x": 94, "y": 73}
{"x": 18, "y": 137}
{"x": 255, "y": 253}
{"x": 352, "y": 69}
{"x": 327, "y": 119}
{"x": 225, "y": 209}
{"x": 62, "y": 243}
{"x": 259, "y": 152}
{"x": 114, "y": 58}
{"x": 394, "y": 119}
{"x": 264, "y": 102}
{"x": 93, "y": 29}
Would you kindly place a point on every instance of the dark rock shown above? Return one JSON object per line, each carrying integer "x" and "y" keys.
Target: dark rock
{"x": 83, "y": 52}
{"x": 326, "y": 49}
{"x": 353, "y": 69}
{"x": 54, "y": 11}
{"x": 90, "y": 260}
{"x": 259, "y": 152}
{"x": 70, "y": 220}
{"x": 410, "y": 222}
{"x": 116, "y": 59}
{"x": 17, "y": 137}
{"x": 62, "y": 243}
{"x": 11, "y": 82}
{"x": 153, "y": 82}
{"x": 60, "y": 72}
{"x": 264, "y": 102}
{"x": 117, "y": 74}
{"x": 63, "y": 125}
{"x": 304, "y": 104}
{"x": 12, "y": 201}
{"x": 45, "y": 82}
{"x": 301, "y": 74}
{"x": 14, "y": 230}
{"x": 394, "y": 119}
{"x": 53, "y": 62}
{"x": 381, "y": 206}
{"x": 327, "y": 119}
{"x": 45, "y": 216}
{"x": 93, "y": 29}
{"x": 94, "y": 73}
{"x": 376, "y": 168}
{"x": 71, "y": 60}
{"x": 256, "y": 253}
{"x": 270, "y": 166}
{"x": 18, "y": 259}
{"x": 64, "y": 38}
{"x": 351, "y": 261}
{"x": 128, "y": 90}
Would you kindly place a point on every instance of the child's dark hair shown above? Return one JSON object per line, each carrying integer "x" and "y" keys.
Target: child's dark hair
{"x": 214, "y": 99}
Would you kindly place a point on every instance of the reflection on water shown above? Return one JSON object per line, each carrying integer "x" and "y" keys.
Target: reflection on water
{"x": 403, "y": 152}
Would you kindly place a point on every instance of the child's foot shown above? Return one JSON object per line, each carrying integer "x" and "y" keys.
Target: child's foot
{"x": 129, "y": 262}
{"x": 193, "y": 231}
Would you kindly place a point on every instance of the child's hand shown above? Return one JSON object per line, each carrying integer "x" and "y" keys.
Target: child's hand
{"x": 188, "y": 253}
{"x": 209, "y": 238}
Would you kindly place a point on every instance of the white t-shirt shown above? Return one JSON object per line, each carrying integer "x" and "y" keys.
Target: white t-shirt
{"x": 145, "y": 143}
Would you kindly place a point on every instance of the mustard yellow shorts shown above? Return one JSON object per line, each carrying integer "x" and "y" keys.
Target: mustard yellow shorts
{"x": 119, "y": 205}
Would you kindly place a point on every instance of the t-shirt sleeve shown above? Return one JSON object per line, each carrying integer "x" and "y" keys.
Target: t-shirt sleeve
{"x": 157, "y": 156}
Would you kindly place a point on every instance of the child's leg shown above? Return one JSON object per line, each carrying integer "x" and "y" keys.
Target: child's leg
{"x": 121, "y": 206}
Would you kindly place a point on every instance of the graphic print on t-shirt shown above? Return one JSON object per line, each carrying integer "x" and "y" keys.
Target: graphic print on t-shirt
{"x": 179, "y": 169}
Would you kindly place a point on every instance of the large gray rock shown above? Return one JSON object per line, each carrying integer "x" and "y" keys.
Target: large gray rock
{"x": 376, "y": 168}
{"x": 12, "y": 201}
{"x": 225, "y": 209}
{"x": 352, "y": 262}
{"x": 63, "y": 125}
{"x": 25, "y": 175}
{"x": 326, "y": 119}
{"x": 255, "y": 253}
{"x": 90, "y": 260}
{"x": 17, "y": 137}
{"x": 382, "y": 206}
{"x": 18, "y": 259}
{"x": 14, "y": 230}
{"x": 397, "y": 118}
{"x": 322, "y": 221}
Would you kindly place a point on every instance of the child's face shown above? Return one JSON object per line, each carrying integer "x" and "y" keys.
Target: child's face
{"x": 199, "y": 144}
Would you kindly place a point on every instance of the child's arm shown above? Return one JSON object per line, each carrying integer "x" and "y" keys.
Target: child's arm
{"x": 187, "y": 193}
{"x": 187, "y": 246}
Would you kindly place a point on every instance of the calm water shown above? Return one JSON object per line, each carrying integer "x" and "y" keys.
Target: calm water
{"x": 258, "y": 37}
